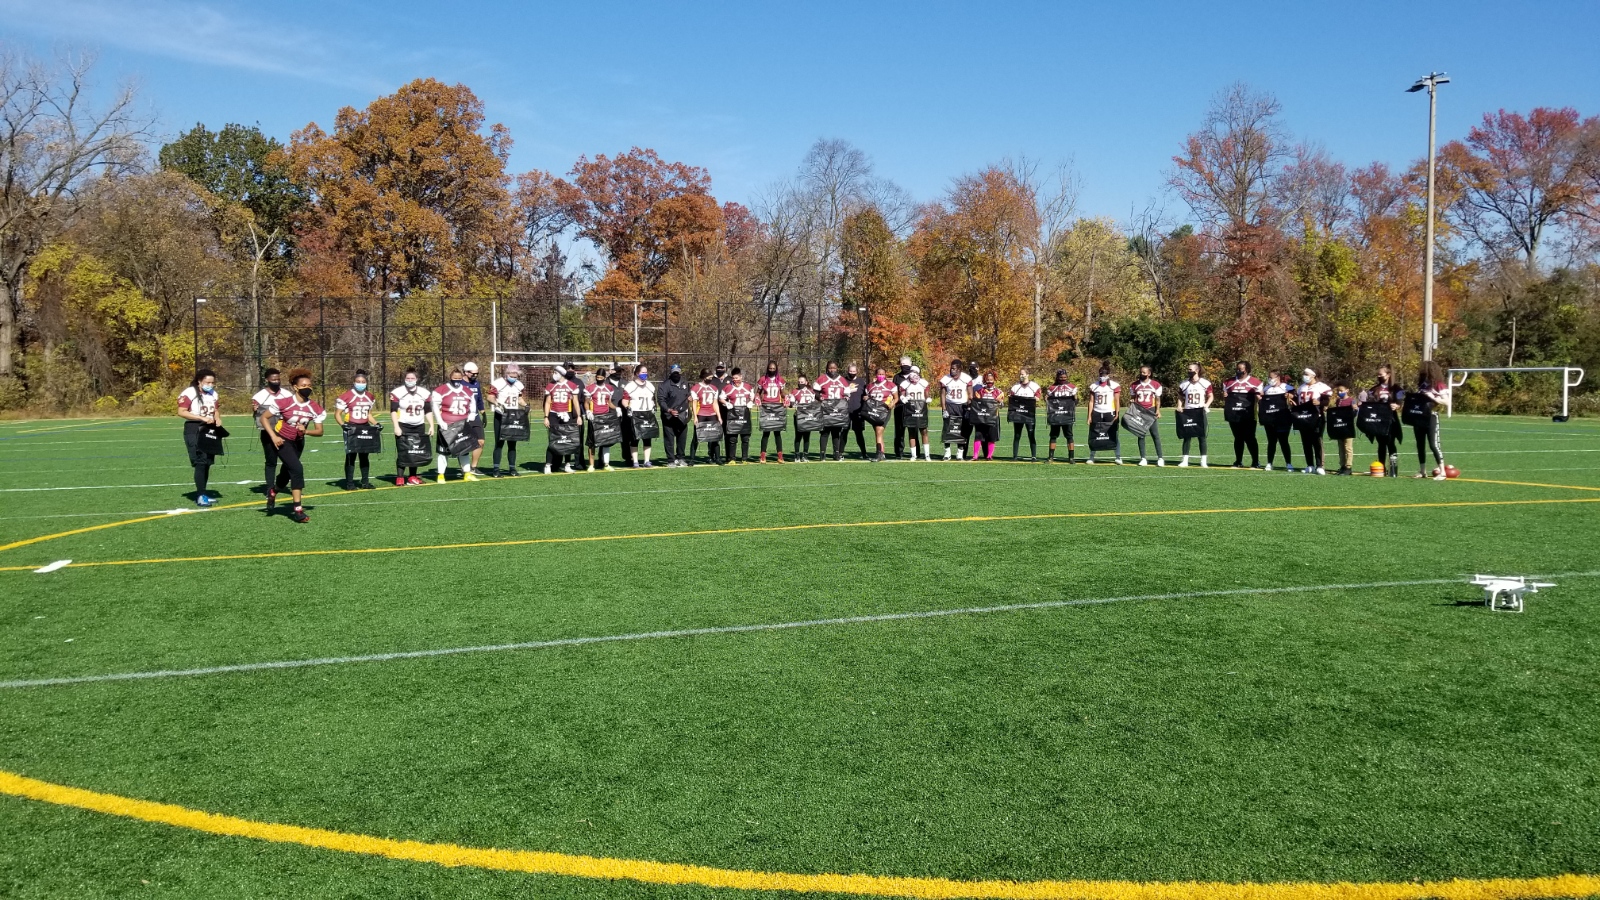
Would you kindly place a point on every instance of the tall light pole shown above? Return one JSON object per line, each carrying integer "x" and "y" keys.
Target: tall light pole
{"x": 195, "y": 325}
{"x": 1431, "y": 82}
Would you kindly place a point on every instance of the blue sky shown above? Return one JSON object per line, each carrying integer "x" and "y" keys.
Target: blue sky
{"x": 929, "y": 90}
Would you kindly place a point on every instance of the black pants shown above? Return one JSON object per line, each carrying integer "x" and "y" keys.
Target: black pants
{"x": 1276, "y": 439}
{"x": 1244, "y": 437}
{"x": 1311, "y": 444}
{"x": 1155, "y": 437}
{"x": 1427, "y": 438}
{"x": 740, "y": 444}
{"x": 677, "y": 434}
{"x": 1016, "y": 438}
{"x": 269, "y": 455}
{"x": 802, "y": 443}
{"x": 350, "y": 466}
{"x": 1388, "y": 452}
{"x": 291, "y": 474}
{"x": 197, "y": 458}
{"x": 900, "y": 429}
{"x": 834, "y": 434}
{"x": 777, "y": 437}
{"x": 858, "y": 424}
{"x": 1063, "y": 429}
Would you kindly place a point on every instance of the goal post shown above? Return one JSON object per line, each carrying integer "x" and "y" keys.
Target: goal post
{"x": 544, "y": 360}
{"x": 1571, "y": 377}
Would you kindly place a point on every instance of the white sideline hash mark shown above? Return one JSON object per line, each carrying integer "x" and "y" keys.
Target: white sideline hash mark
{"x": 728, "y": 629}
{"x": 45, "y": 570}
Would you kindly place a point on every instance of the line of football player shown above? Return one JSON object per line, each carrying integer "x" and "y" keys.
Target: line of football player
{"x": 615, "y": 414}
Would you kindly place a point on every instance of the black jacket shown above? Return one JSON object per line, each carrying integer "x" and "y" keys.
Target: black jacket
{"x": 854, "y": 397}
{"x": 671, "y": 397}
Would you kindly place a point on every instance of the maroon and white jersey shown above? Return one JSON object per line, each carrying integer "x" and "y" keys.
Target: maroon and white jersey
{"x": 956, "y": 387}
{"x": 1246, "y": 385}
{"x": 599, "y": 395}
{"x": 409, "y": 404}
{"x": 563, "y": 395}
{"x": 1067, "y": 391}
{"x": 1438, "y": 392}
{"x": 358, "y": 406}
{"x": 737, "y": 396}
{"x": 706, "y": 394}
{"x": 1194, "y": 392}
{"x": 771, "y": 388}
{"x": 1147, "y": 393}
{"x": 981, "y": 391}
{"x": 1105, "y": 395}
{"x": 832, "y": 387}
{"x": 1384, "y": 392}
{"x": 1312, "y": 393}
{"x": 197, "y": 401}
{"x": 914, "y": 389}
{"x": 452, "y": 404}
{"x": 264, "y": 397}
{"x": 804, "y": 394}
{"x": 295, "y": 414}
{"x": 882, "y": 390}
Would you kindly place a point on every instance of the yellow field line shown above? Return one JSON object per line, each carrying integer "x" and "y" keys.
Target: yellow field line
{"x": 571, "y": 865}
{"x": 54, "y": 428}
{"x": 769, "y": 529}
{"x": 1538, "y": 484}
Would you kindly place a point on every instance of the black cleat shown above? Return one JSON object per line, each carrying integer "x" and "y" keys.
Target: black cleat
{"x": 272, "y": 500}
{"x": 299, "y": 515}
{"x": 367, "y": 485}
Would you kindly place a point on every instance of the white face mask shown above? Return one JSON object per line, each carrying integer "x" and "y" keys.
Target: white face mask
{"x": 1305, "y": 379}
{"x": 411, "y": 382}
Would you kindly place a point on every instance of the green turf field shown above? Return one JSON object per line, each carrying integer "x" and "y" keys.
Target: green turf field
{"x": 1199, "y": 724}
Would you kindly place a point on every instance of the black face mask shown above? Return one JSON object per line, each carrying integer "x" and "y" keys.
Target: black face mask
{"x": 473, "y": 378}
{"x": 675, "y": 377}
{"x": 305, "y": 393}
{"x": 771, "y": 372}
{"x": 274, "y": 385}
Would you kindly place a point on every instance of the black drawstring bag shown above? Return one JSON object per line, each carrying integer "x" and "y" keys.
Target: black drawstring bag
{"x": 1138, "y": 420}
{"x": 564, "y": 437}
{"x": 209, "y": 441}
{"x": 807, "y": 417}
{"x": 1239, "y": 408}
{"x": 835, "y": 414}
{"x": 1307, "y": 417}
{"x": 363, "y": 437}
{"x": 455, "y": 441}
{"x": 874, "y": 411}
{"x": 512, "y": 425}
{"x": 737, "y": 421}
{"x": 1191, "y": 422}
{"x": 1375, "y": 419}
{"x": 1020, "y": 410}
{"x": 411, "y": 448}
{"x": 950, "y": 429}
{"x": 916, "y": 414}
{"x": 985, "y": 412}
{"x": 1061, "y": 410}
{"x": 1416, "y": 409}
{"x": 645, "y": 426}
{"x": 1274, "y": 412}
{"x": 605, "y": 430}
{"x": 773, "y": 417}
{"x": 707, "y": 431}
{"x": 1102, "y": 435}
{"x": 1342, "y": 422}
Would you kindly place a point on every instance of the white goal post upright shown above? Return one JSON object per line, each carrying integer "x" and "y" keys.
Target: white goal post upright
{"x": 582, "y": 361}
{"x": 1458, "y": 377}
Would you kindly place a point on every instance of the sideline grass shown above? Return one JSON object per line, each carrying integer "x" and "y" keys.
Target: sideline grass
{"x": 1384, "y": 735}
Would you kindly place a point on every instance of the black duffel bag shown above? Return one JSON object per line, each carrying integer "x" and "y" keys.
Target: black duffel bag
{"x": 807, "y": 417}
{"x": 875, "y": 411}
{"x": 210, "y": 438}
{"x": 564, "y": 438}
{"x": 456, "y": 440}
{"x": 835, "y": 414}
{"x": 985, "y": 412}
{"x": 512, "y": 425}
{"x": 1274, "y": 412}
{"x": 1191, "y": 423}
{"x": 707, "y": 430}
{"x": 605, "y": 430}
{"x": 1307, "y": 417}
{"x": 1416, "y": 408}
{"x": 1021, "y": 410}
{"x": 1375, "y": 418}
{"x": 1102, "y": 434}
{"x": 363, "y": 437}
{"x": 915, "y": 414}
{"x": 1342, "y": 422}
{"x": 411, "y": 448}
{"x": 1239, "y": 407}
{"x": 736, "y": 421}
{"x": 645, "y": 425}
{"x": 772, "y": 417}
{"x": 950, "y": 428}
{"x": 1060, "y": 411}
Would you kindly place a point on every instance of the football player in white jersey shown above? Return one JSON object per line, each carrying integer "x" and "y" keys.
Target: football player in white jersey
{"x": 1197, "y": 398}
{"x": 506, "y": 393}
{"x": 639, "y": 396}
{"x": 914, "y": 397}
{"x": 197, "y": 406}
{"x": 273, "y": 392}
{"x": 1024, "y": 402}
{"x": 956, "y": 389}
{"x": 1314, "y": 393}
{"x": 408, "y": 414}
{"x": 1107, "y": 395}
{"x": 1277, "y": 435}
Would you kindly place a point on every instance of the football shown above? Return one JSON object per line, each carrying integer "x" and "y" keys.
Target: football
{"x": 1451, "y": 471}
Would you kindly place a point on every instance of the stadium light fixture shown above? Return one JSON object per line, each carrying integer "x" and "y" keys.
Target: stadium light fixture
{"x": 1429, "y": 82}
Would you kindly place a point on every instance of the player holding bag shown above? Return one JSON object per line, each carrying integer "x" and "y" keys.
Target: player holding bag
{"x": 877, "y": 403}
{"x": 641, "y": 404}
{"x": 1276, "y": 419}
{"x": 453, "y": 409}
{"x": 737, "y": 399}
{"x": 408, "y": 415}
{"x": 1061, "y": 411}
{"x": 1311, "y": 399}
{"x": 1022, "y": 408}
{"x": 913, "y": 412}
{"x": 831, "y": 397}
{"x": 807, "y": 418}
{"x": 956, "y": 390}
{"x": 704, "y": 402}
{"x": 561, "y": 418}
{"x": 774, "y": 413}
{"x": 508, "y": 396}
{"x": 363, "y": 435}
{"x": 1195, "y": 399}
{"x": 605, "y": 425}
{"x": 1240, "y": 395}
{"x": 197, "y": 406}
{"x": 984, "y": 411}
{"x": 1107, "y": 395}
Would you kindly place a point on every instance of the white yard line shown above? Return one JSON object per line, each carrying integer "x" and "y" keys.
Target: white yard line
{"x": 731, "y": 629}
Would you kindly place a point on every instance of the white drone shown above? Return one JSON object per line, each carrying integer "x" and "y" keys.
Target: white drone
{"x": 1505, "y": 592}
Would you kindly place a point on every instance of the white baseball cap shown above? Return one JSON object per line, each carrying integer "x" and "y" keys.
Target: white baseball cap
{"x": 916, "y": 370}
{"x": 470, "y": 367}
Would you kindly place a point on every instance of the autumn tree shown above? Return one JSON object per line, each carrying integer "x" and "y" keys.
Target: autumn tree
{"x": 53, "y": 139}
{"x": 412, "y": 190}
{"x": 1516, "y": 176}
{"x": 874, "y": 285}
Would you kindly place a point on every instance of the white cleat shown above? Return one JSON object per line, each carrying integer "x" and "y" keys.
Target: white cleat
{"x": 1161, "y": 464}
{"x": 1183, "y": 463}
{"x": 1204, "y": 464}
{"x": 1143, "y": 461}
